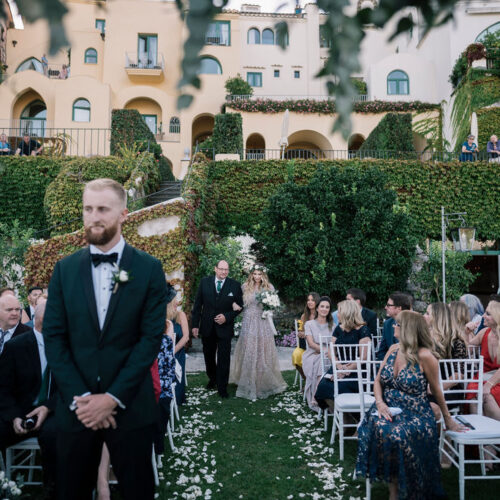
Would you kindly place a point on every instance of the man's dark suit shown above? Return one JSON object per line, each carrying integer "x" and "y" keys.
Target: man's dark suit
{"x": 216, "y": 338}
{"x": 387, "y": 338}
{"x": 370, "y": 319}
{"x": 116, "y": 359}
{"x": 20, "y": 328}
{"x": 20, "y": 383}
{"x": 27, "y": 310}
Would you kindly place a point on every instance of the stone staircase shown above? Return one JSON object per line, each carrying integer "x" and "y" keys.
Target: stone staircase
{"x": 166, "y": 191}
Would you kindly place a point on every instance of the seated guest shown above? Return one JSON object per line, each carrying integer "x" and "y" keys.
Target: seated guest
{"x": 369, "y": 317}
{"x": 27, "y": 391}
{"x": 396, "y": 303}
{"x": 460, "y": 318}
{"x": 493, "y": 149}
{"x": 469, "y": 149}
{"x": 489, "y": 340}
{"x": 10, "y": 316}
{"x": 321, "y": 326}
{"x": 351, "y": 330}
{"x": 4, "y": 146}
{"x": 308, "y": 314}
{"x": 33, "y": 293}
{"x": 446, "y": 346}
{"x": 403, "y": 449}
{"x": 476, "y": 311}
{"x": 28, "y": 147}
{"x": 181, "y": 329}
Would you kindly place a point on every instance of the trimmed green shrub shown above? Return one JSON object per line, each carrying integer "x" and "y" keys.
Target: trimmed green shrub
{"x": 238, "y": 86}
{"x": 488, "y": 124}
{"x": 344, "y": 228}
{"x": 459, "y": 70}
{"x": 228, "y": 133}
{"x": 360, "y": 86}
{"x": 393, "y": 133}
{"x": 23, "y": 181}
{"x": 235, "y": 193}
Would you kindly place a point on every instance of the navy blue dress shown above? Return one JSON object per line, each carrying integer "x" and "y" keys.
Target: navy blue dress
{"x": 406, "y": 449}
{"x": 180, "y": 356}
{"x": 325, "y": 388}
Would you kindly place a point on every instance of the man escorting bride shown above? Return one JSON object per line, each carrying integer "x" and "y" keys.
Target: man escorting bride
{"x": 255, "y": 366}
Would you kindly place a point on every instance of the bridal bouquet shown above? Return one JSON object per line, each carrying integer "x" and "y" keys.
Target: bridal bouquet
{"x": 270, "y": 302}
{"x": 8, "y": 489}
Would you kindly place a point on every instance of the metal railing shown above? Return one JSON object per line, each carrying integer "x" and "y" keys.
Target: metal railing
{"x": 144, "y": 61}
{"x": 64, "y": 141}
{"x": 216, "y": 39}
{"x": 358, "y": 98}
{"x": 344, "y": 154}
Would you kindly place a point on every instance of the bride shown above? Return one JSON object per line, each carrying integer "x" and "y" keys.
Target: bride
{"x": 255, "y": 366}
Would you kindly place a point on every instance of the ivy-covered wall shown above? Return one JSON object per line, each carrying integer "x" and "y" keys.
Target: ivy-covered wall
{"x": 23, "y": 182}
{"x": 232, "y": 194}
{"x": 488, "y": 124}
{"x": 170, "y": 248}
{"x": 393, "y": 133}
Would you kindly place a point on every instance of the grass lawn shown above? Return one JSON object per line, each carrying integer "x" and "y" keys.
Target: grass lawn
{"x": 267, "y": 449}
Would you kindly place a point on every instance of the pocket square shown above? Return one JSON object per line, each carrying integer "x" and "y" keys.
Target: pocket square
{"x": 230, "y": 294}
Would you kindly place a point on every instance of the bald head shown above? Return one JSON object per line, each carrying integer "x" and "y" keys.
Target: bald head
{"x": 10, "y": 312}
{"x": 40, "y": 313}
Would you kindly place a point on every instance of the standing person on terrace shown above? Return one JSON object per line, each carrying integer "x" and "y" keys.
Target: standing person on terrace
{"x": 469, "y": 149}
{"x": 493, "y": 149}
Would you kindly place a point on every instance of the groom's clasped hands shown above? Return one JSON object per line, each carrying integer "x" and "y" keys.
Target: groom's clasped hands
{"x": 96, "y": 411}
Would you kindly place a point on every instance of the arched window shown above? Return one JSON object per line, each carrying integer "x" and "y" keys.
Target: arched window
{"x": 488, "y": 31}
{"x": 81, "y": 110}
{"x": 91, "y": 56}
{"x": 398, "y": 83}
{"x": 34, "y": 118}
{"x": 268, "y": 37}
{"x": 32, "y": 63}
{"x": 253, "y": 36}
{"x": 175, "y": 125}
{"x": 210, "y": 66}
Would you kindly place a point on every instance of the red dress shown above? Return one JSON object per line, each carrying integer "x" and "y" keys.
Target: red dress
{"x": 489, "y": 365}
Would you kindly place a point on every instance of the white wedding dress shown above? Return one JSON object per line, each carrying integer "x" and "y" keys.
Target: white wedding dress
{"x": 255, "y": 365}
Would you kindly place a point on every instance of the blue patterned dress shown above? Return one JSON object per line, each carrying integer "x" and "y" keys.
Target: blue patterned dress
{"x": 406, "y": 449}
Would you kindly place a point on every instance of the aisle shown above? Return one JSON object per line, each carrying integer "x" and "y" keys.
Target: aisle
{"x": 270, "y": 449}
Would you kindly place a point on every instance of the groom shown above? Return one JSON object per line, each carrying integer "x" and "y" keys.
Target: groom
{"x": 103, "y": 328}
{"x": 213, "y": 319}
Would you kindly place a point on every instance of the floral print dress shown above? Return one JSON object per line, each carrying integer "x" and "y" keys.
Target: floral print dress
{"x": 407, "y": 449}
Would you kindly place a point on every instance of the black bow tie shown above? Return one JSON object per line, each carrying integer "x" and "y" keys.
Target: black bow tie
{"x": 99, "y": 258}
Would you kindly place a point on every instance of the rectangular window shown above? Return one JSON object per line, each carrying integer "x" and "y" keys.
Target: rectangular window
{"x": 150, "y": 122}
{"x": 147, "y": 51}
{"x": 218, "y": 33}
{"x": 324, "y": 38}
{"x": 254, "y": 79}
{"x": 100, "y": 24}
{"x": 276, "y": 73}
{"x": 296, "y": 74}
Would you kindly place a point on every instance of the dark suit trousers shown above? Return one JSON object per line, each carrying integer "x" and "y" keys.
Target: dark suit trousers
{"x": 46, "y": 439}
{"x": 79, "y": 455}
{"x": 217, "y": 352}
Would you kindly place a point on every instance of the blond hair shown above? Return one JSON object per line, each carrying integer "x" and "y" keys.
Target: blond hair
{"x": 116, "y": 187}
{"x": 172, "y": 310}
{"x": 350, "y": 315}
{"x": 250, "y": 287}
{"x": 460, "y": 316}
{"x": 440, "y": 328}
{"x": 414, "y": 334}
{"x": 494, "y": 311}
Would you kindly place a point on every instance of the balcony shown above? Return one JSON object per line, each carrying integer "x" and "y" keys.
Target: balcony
{"x": 144, "y": 64}
{"x": 230, "y": 98}
{"x": 216, "y": 39}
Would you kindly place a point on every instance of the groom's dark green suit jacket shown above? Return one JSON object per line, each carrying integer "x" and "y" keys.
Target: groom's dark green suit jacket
{"x": 116, "y": 359}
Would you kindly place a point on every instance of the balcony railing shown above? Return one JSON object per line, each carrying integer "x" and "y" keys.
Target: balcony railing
{"x": 344, "y": 154}
{"x": 358, "y": 98}
{"x": 144, "y": 61}
{"x": 216, "y": 39}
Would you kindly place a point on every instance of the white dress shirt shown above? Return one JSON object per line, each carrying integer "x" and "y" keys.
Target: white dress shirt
{"x": 41, "y": 349}
{"x": 102, "y": 279}
{"x": 221, "y": 283}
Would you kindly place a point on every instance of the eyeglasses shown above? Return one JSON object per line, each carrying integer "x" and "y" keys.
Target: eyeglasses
{"x": 396, "y": 324}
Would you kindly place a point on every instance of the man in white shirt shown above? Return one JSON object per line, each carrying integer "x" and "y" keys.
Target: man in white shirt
{"x": 10, "y": 316}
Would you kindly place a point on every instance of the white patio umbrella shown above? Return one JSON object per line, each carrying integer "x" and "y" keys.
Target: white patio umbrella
{"x": 473, "y": 127}
{"x": 284, "y": 133}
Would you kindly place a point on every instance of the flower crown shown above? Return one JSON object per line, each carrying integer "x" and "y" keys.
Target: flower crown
{"x": 258, "y": 267}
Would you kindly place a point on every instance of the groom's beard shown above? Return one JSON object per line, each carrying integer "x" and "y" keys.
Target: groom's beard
{"x": 102, "y": 238}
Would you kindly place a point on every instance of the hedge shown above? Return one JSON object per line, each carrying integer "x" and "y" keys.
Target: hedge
{"x": 228, "y": 133}
{"x": 488, "y": 124}
{"x": 23, "y": 182}
{"x": 170, "y": 248}
{"x": 393, "y": 133}
{"x": 63, "y": 198}
{"x": 328, "y": 106}
{"x": 230, "y": 194}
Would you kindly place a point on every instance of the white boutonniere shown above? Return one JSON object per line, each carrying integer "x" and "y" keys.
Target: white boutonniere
{"x": 119, "y": 276}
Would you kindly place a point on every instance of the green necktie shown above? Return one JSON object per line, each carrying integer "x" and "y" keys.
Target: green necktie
{"x": 44, "y": 388}
{"x": 219, "y": 286}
